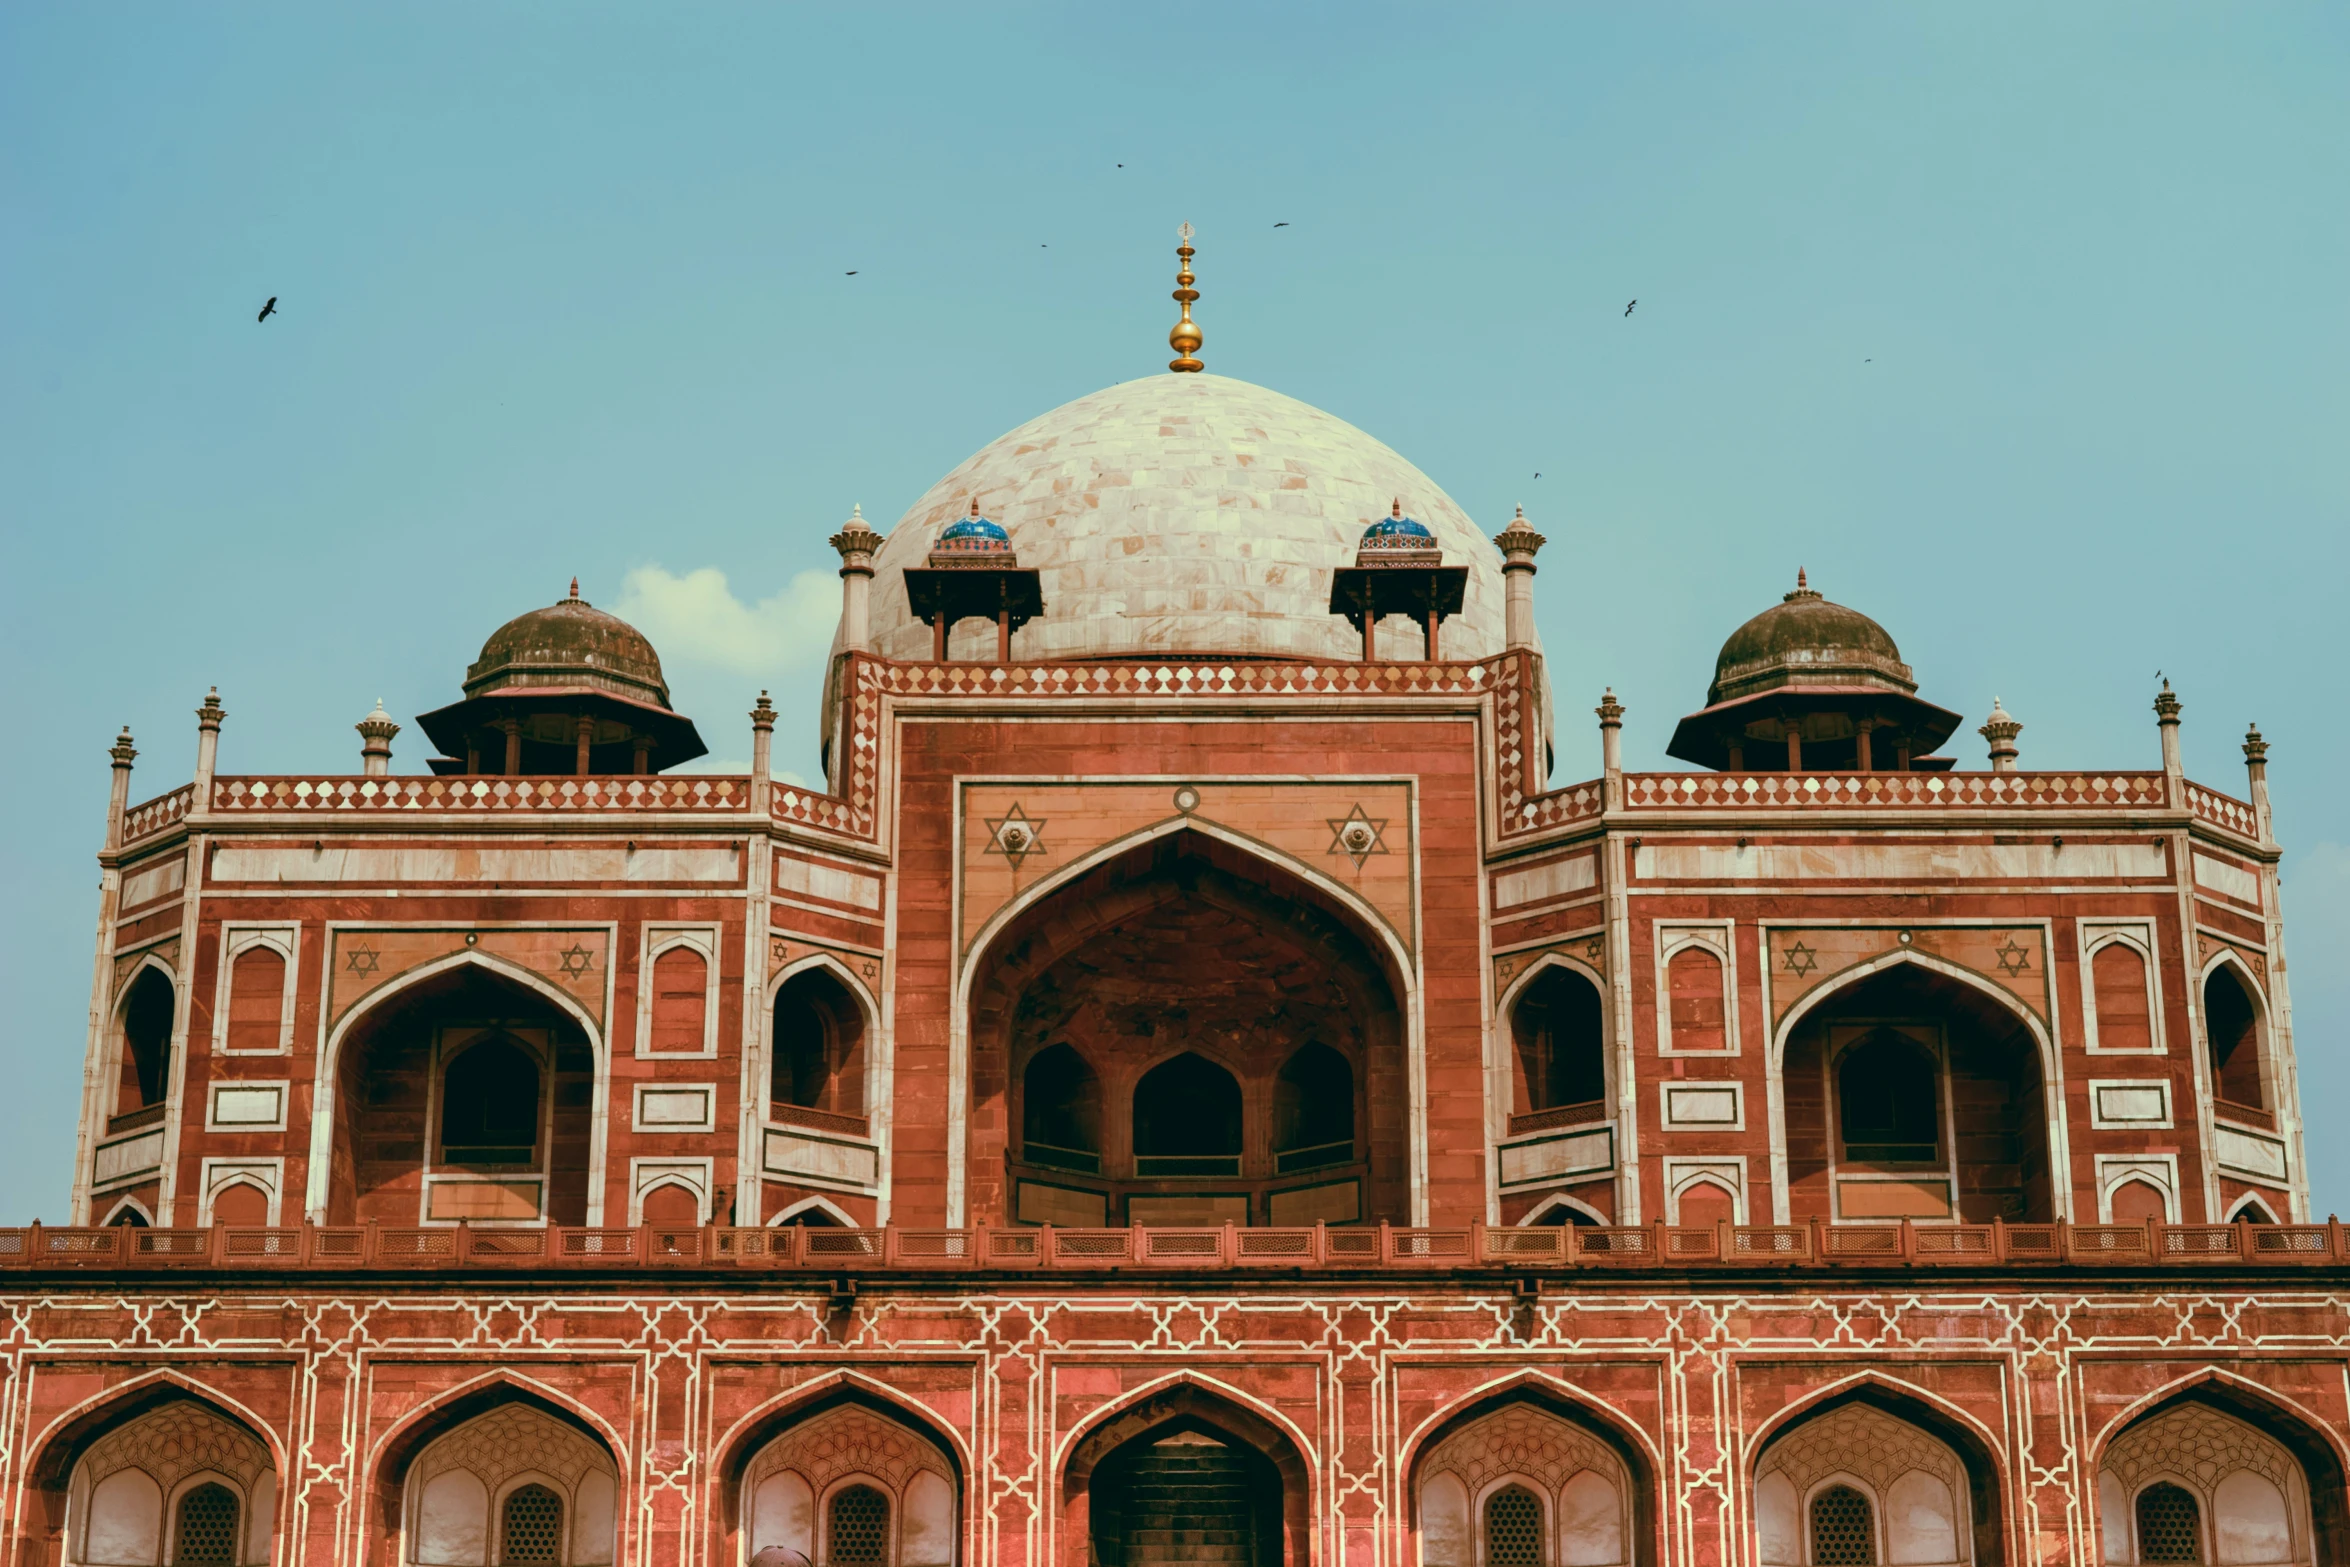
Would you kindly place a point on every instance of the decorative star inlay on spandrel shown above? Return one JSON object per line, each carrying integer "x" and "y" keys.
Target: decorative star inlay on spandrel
{"x": 1014, "y": 835}
{"x": 1801, "y": 959}
{"x": 576, "y": 961}
{"x": 362, "y": 960}
{"x": 1357, "y": 835}
{"x": 2014, "y": 958}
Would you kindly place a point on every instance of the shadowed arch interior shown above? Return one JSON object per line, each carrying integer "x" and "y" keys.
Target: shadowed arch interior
{"x": 1560, "y": 1043}
{"x": 818, "y": 1061}
{"x": 1185, "y": 1460}
{"x": 1201, "y": 964}
{"x": 147, "y": 1014}
{"x": 2231, "y": 1023}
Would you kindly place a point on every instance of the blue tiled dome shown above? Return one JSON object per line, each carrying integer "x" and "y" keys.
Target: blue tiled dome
{"x": 976, "y": 527}
{"x": 1399, "y": 529}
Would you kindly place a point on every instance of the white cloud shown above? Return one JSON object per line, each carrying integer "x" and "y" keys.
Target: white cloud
{"x": 697, "y": 619}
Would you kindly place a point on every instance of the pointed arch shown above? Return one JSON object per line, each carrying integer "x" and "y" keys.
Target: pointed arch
{"x": 751, "y": 1434}
{"x": 1534, "y": 970}
{"x": 1188, "y": 1401}
{"x": 2047, "y": 1045}
{"x": 829, "y": 964}
{"x": 2255, "y": 994}
{"x": 824, "y": 1205}
{"x": 326, "y": 1094}
{"x": 1981, "y": 1454}
{"x": 128, "y": 1205}
{"x": 59, "y": 1444}
{"x": 2253, "y": 1209}
{"x": 1561, "y": 1202}
{"x": 149, "y": 959}
{"x": 1563, "y": 1398}
{"x": 392, "y": 1451}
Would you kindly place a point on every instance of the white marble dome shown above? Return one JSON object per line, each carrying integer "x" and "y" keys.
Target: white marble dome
{"x": 1184, "y": 515}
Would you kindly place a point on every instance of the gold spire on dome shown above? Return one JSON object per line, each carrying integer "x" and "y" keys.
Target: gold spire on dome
{"x": 1185, "y": 339}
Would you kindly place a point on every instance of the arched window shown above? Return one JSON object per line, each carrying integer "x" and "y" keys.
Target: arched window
{"x": 1187, "y": 1119}
{"x": 1843, "y": 1529}
{"x": 2170, "y": 1525}
{"x": 530, "y": 1527}
{"x": 2232, "y": 1023}
{"x": 856, "y": 1528}
{"x": 205, "y": 1528}
{"x": 1061, "y": 1110}
{"x": 1561, "y": 1054}
{"x": 1313, "y": 1110}
{"x": 147, "y": 1015}
{"x": 490, "y": 1105}
{"x": 818, "y": 1059}
{"x": 1513, "y": 1528}
{"x": 1888, "y": 1102}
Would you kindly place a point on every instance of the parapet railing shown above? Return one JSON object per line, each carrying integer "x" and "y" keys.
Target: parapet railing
{"x": 1044, "y": 1248}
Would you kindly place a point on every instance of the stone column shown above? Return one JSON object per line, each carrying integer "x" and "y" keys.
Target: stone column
{"x": 119, "y": 799}
{"x": 586, "y": 730}
{"x": 208, "y": 719}
{"x": 513, "y": 763}
{"x": 1518, "y": 544}
{"x": 762, "y": 751}
{"x": 2255, "y": 768}
{"x": 1611, "y": 749}
{"x": 856, "y": 542}
{"x": 2166, "y": 713}
{"x": 375, "y": 741}
{"x": 2001, "y": 729}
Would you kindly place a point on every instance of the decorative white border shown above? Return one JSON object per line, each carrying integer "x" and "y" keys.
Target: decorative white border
{"x": 2100, "y": 1121}
{"x": 220, "y": 1174}
{"x": 238, "y": 937}
{"x": 1681, "y": 1174}
{"x": 212, "y": 1120}
{"x": 1667, "y": 938}
{"x": 654, "y": 940}
{"x": 1671, "y": 1088}
{"x": 644, "y": 1128}
{"x": 2089, "y": 937}
{"x": 2159, "y": 1170}
{"x": 646, "y": 1174}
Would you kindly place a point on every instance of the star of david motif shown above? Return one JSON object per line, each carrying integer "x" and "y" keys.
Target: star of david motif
{"x": 577, "y": 960}
{"x": 1801, "y": 959}
{"x": 363, "y": 960}
{"x": 2014, "y": 959}
{"x": 1014, "y": 835}
{"x": 1357, "y": 835}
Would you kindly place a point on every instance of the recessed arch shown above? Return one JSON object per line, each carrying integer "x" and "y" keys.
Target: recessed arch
{"x": 1980, "y": 1455}
{"x": 2230, "y": 1078}
{"x": 1637, "y": 1518}
{"x": 1564, "y": 1397}
{"x": 1812, "y": 1000}
{"x": 1562, "y": 1203}
{"x": 1187, "y": 1403}
{"x": 128, "y": 1210}
{"x": 328, "y": 1096}
{"x": 58, "y": 1445}
{"x": 97, "y": 1430}
{"x": 389, "y": 1465}
{"x": 825, "y": 1206}
{"x": 738, "y": 1447}
{"x": 2252, "y": 1208}
{"x": 2309, "y": 1440}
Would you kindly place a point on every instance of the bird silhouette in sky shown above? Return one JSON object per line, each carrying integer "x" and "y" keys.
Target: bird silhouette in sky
{"x": 852, "y": 272}
{"x": 1538, "y": 476}
{"x": 268, "y": 310}
{"x": 1629, "y": 308}
{"x": 1281, "y": 225}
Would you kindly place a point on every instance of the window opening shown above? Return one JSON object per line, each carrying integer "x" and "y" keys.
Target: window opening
{"x": 1562, "y": 1058}
{"x": 1313, "y": 1110}
{"x": 531, "y": 1527}
{"x": 2170, "y": 1525}
{"x": 490, "y": 1105}
{"x": 1513, "y": 1528}
{"x": 859, "y": 1527}
{"x": 1061, "y": 1111}
{"x": 1886, "y": 1098}
{"x": 1843, "y": 1529}
{"x": 207, "y": 1533}
{"x": 146, "y": 1042}
{"x": 1187, "y": 1119}
{"x": 2232, "y": 1023}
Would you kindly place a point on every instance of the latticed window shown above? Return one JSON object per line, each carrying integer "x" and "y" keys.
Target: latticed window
{"x": 531, "y": 1527}
{"x": 1843, "y": 1529}
{"x": 1513, "y": 1528}
{"x": 860, "y": 1527}
{"x": 2170, "y": 1525}
{"x": 207, "y": 1528}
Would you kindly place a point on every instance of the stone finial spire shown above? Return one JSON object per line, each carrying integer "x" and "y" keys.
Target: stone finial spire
{"x": 208, "y": 720}
{"x": 2001, "y": 729}
{"x": 123, "y": 751}
{"x": 1518, "y": 542}
{"x": 375, "y": 741}
{"x": 1611, "y": 747}
{"x": 575, "y": 590}
{"x": 856, "y": 543}
{"x": 2256, "y": 769}
{"x": 2166, "y": 714}
{"x": 1185, "y": 338}
{"x": 119, "y": 798}
{"x": 1802, "y": 589}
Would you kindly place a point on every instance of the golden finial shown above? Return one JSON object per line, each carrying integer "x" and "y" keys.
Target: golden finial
{"x": 1185, "y": 339}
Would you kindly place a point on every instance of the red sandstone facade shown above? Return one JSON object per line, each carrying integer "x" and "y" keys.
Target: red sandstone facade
{"x": 1214, "y": 1106}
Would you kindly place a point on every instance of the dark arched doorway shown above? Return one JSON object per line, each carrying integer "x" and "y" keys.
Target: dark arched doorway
{"x": 466, "y": 1096}
{"x": 1913, "y": 1095}
{"x": 1185, "y": 1035}
{"x": 1185, "y": 1476}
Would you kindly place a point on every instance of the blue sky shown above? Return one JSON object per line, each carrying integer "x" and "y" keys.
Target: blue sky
{"x": 2022, "y": 327}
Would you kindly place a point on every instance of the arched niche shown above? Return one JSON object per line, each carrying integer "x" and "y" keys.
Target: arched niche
{"x": 2251, "y": 1483}
{"x": 405, "y": 1151}
{"x": 1525, "y": 1479}
{"x": 143, "y": 1023}
{"x": 498, "y": 1477}
{"x": 1187, "y": 1457}
{"x": 850, "y": 1481}
{"x": 1186, "y": 945}
{"x": 1558, "y": 1046}
{"x": 819, "y": 1055}
{"x": 2235, "y": 1038}
{"x": 1859, "y": 1151}
{"x": 176, "y": 1480}
{"x": 1868, "y": 1465}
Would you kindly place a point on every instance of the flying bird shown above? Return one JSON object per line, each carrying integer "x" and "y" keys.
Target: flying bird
{"x": 1281, "y": 225}
{"x": 1628, "y": 308}
{"x": 268, "y": 310}
{"x": 852, "y": 272}
{"x": 1538, "y": 476}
